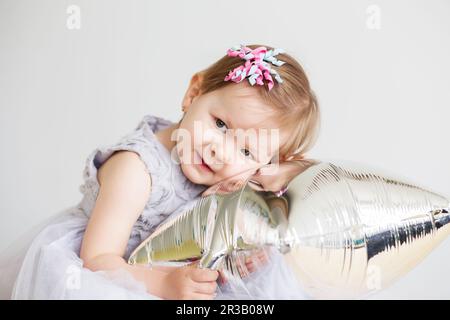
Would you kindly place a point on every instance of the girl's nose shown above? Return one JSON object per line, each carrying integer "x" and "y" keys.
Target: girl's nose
{"x": 222, "y": 151}
{"x": 219, "y": 154}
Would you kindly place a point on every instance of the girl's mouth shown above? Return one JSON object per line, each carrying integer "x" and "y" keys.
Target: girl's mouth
{"x": 204, "y": 166}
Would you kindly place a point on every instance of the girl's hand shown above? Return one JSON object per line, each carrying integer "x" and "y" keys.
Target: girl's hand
{"x": 276, "y": 177}
{"x": 228, "y": 185}
{"x": 189, "y": 283}
{"x": 271, "y": 177}
{"x": 254, "y": 261}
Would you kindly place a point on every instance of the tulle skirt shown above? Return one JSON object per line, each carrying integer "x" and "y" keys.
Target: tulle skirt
{"x": 45, "y": 264}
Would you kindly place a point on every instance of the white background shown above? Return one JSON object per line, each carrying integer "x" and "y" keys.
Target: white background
{"x": 384, "y": 93}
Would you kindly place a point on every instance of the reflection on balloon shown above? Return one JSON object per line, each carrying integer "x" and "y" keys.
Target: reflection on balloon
{"x": 344, "y": 230}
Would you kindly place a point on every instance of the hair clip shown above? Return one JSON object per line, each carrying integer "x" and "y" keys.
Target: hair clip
{"x": 256, "y": 67}
{"x": 281, "y": 192}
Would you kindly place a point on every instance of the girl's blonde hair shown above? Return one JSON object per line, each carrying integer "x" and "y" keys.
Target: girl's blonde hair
{"x": 293, "y": 100}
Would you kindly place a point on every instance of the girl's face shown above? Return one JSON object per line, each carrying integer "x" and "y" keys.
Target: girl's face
{"x": 226, "y": 132}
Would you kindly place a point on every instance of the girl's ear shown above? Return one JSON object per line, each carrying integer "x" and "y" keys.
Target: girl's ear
{"x": 193, "y": 91}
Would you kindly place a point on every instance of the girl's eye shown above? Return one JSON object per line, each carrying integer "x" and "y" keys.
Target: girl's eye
{"x": 247, "y": 153}
{"x": 220, "y": 124}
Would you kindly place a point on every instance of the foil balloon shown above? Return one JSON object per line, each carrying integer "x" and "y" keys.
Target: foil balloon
{"x": 345, "y": 230}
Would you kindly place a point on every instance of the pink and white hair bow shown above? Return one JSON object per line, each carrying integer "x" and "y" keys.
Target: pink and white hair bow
{"x": 256, "y": 67}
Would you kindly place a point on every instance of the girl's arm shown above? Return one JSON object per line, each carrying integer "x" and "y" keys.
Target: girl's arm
{"x": 125, "y": 187}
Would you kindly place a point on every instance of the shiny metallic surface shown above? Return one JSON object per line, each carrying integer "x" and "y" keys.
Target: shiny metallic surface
{"x": 354, "y": 231}
{"x": 346, "y": 231}
{"x": 216, "y": 227}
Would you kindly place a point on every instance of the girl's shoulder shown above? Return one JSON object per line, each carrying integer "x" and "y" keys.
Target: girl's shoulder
{"x": 154, "y": 123}
{"x": 170, "y": 187}
{"x": 142, "y": 141}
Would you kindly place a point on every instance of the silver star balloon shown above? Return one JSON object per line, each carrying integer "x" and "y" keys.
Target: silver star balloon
{"x": 346, "y": 231}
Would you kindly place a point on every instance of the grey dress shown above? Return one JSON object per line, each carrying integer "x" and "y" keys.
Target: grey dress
{"x": 49, "y": 266}
{"x": 171, "y": 190}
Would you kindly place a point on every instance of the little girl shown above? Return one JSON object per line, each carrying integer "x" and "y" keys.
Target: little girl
{"x": 133, "y": 186}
